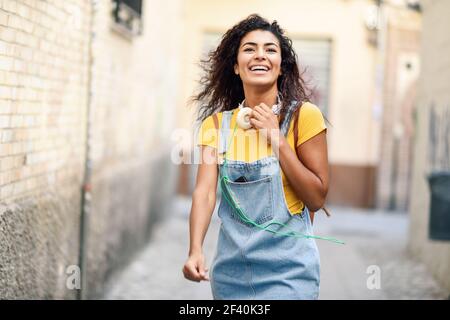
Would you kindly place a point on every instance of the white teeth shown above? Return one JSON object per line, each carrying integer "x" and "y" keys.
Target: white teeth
{"x": 259, "y": 68}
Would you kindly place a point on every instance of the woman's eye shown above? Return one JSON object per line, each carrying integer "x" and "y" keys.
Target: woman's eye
{"x": 272, "y": 50}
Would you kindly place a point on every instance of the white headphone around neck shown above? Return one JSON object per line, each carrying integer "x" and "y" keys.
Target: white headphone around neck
{"x": 243, "y": 116}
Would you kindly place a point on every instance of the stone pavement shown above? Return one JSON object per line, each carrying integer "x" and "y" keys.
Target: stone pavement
{"x": 374, "y": 239}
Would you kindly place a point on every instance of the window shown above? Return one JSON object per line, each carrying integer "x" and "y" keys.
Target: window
{"x": 127, "y": 16}
{"x": 315, "y": 56}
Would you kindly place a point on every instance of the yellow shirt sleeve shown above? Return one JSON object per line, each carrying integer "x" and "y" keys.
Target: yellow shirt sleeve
{"x": 207, "y": 134}
{"x": 310, "y": 122}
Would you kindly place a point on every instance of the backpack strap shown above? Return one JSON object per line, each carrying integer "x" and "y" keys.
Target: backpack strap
{"x": 296, "y": 116}
{"x": 216, "y": 121}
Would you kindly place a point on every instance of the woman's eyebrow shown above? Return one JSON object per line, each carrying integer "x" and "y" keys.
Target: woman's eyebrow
{"x": 265, "y": 44}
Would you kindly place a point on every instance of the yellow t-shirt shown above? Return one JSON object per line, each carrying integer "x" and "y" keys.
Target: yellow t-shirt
{"x": 249, "y": 146}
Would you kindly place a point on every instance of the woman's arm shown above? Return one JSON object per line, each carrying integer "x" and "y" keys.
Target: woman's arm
{"x": 308, "y": 176}
{"x": 203, "y": 204}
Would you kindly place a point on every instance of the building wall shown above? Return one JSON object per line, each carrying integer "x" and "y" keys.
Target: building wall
{"x": 354, "y": 133}
{"x": 52, "y": 85}
{"x": 433, "y": 89}
{"x": 132, "y": 110}
{"x": 401, "y": 71}
{"x": 43, "y": 96}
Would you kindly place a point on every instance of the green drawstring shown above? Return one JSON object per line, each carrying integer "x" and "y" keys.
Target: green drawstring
{"x": 234, "y": 203}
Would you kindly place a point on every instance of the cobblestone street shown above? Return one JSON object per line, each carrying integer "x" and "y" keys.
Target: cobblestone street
{"x": 372, "y": 238}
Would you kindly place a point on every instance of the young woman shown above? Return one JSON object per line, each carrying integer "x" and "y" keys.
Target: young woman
{"x": 261, "y": 251}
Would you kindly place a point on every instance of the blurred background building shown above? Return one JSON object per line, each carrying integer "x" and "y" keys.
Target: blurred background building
{"x": 87, "y": 100}
{"x": 93, "y": 92}
{"x": 362, "y": 56}
{"x": 429, "y": 212}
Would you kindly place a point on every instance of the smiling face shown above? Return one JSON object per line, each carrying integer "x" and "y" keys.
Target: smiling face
{"x": 259, "y": 59}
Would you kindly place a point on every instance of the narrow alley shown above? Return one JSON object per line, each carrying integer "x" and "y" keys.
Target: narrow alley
{"x": 104, "y": 104}
{"x": 372, "y": 238}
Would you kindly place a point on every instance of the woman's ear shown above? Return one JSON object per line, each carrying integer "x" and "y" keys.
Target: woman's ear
{"x": 236, "y": 69}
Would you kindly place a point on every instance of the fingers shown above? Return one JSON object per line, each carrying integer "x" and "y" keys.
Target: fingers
{"x": 206, "y": 276}
{"x": 261, "y": 112}
{"x": 202, "y": 271}
{"x": 189, "y": 272}
{"x": 194, "y": 273}
{"x": 264, "y": 109}
{"x": 260, "y": 118}
{"x": 257, "y": 117}
{"x": 256, "y": 123}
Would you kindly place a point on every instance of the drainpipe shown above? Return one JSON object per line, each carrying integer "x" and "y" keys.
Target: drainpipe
{"x": 86, "y": 184}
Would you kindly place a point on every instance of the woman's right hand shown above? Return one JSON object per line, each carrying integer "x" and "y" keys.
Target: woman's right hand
{"x": 194, "y": 268}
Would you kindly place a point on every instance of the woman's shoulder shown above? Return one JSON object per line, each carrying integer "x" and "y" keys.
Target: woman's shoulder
{"x": 310, "y": 122}
{"x": 209, "y": 121}
{"x": 309, "y": 108}
{"x": 310, "y": 112}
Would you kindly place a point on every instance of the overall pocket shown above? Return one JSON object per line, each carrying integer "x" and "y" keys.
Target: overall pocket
{"x": 255, "y": 198}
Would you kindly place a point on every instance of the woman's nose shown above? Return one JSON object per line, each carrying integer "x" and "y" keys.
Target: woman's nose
{"x": 260, "y": 54}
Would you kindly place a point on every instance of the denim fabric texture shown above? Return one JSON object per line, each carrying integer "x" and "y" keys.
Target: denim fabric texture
{"x": 251, "y": 263}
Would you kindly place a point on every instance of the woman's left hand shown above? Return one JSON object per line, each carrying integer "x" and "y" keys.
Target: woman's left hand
{"x": 263, "y": 119}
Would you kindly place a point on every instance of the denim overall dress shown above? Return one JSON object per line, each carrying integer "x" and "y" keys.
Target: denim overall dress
{"x": 251, "y": 263}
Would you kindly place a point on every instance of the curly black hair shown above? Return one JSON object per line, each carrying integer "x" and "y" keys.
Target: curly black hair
{"x": 222, "y": 89}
